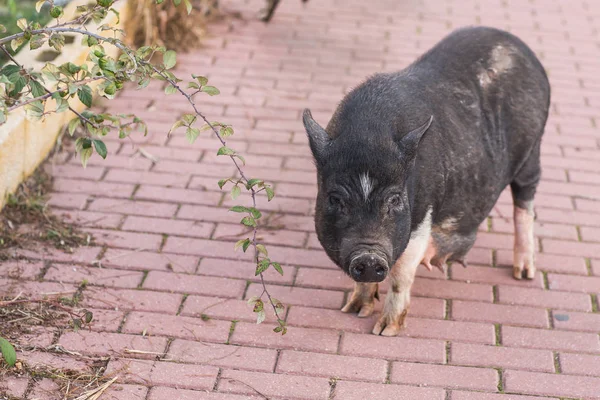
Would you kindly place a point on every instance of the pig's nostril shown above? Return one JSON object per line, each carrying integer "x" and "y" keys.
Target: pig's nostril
{"x": 380, "y": 270}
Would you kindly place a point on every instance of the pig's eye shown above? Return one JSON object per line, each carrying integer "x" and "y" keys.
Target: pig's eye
{"x": 336, "y": 202}
{"x": 395, "y": 201}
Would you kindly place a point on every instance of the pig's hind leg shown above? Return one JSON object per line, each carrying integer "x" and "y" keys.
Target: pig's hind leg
{"x": 362, "y": 300}
{"x": 523, "y": 189}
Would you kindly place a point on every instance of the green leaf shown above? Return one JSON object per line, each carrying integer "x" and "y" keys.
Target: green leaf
{"x": 2, "y": 117}
{"x": 192, "y": 134}
{"x": 262, "y": 249}
{"x": 239, "y": 209}
{"x": 249, "y": 221}
{"x": 253, "y": 300}
{"x": 193, "y": 85}
{"x": 253, "y": 182}
{"x": 188, "y": 6}
{"x": 258, "y": 306}
{"x": 235, "y": 192}
{"x": 222, "y": 183}
{"x": 10, "y": 69}
{"x": 51, "y": 72}
{"x": 85, "y": 95}
{"x": 18, "y": 84}
{"x": 169, "y": 59}
{"x": 255, "y": 213}
{"x": 278, "y": 268}
{"x": 37, "y": 89}
{"x": 8, "y": 352}
{"x": 189, "y": 118}
{"x": 76, "y": 324}
{"x": 88, "y": 316}
{"x": 170, "y": 89}
{"x": 241, "y": 243}
{"x": 143, "y": 83}
{"x": 276, "y": 303}
{"x": 85, "y": 155}
{"x": 225, "y": 151}
{"x": 57, "y": 41}
{"x": 202, "y": 80}
{"x": 242, "y": 159}
{"x": 246, "y": 245}
{"x": 73, "y": 124}
{"x": 36, "y": 42}
{"x": 18, "y": 42}
{"x": 177, "y": 2}
{"x": 69, "y": 68}
{"x": 22, "y": 23}
{"x": 262, "y": 266}
{"x": 270, "y": 193}
{"x": 210, "y": 90}
{"x": 61, "y": 105}
{"x": 176, "y": 125}
{"x": 39, "y": 4}
{"x": 260, "y": 316}
{"x": 100, "y": 148}
{"x": 226, "y": 131}
{"x": 34, "y": 111}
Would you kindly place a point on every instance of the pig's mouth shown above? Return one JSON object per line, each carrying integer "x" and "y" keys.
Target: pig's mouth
{"x": 368, "y": 266}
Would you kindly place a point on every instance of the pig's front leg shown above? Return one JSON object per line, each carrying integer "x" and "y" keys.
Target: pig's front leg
{"x": 524, "y": 242}
{"x": 402, "y": 277}
{"x": 362, "y": 299}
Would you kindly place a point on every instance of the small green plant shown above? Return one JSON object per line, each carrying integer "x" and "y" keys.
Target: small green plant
{"x": 23, "y": 87}
{"x": 8, "y": 352}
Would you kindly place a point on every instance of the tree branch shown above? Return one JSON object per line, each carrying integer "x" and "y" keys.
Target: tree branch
{"x": 253, "y": 192}
{"x": 48, "y": 92}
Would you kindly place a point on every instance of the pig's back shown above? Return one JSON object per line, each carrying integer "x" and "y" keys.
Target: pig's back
{"x": 489, "y": 96}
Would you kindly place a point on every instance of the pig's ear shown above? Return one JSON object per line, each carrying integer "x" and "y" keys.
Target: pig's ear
{"x": 317, "y": 136}
{"x": 409, "y": 142}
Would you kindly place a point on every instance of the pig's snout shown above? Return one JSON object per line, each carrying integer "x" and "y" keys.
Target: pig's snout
{"x": 368, "y": 267}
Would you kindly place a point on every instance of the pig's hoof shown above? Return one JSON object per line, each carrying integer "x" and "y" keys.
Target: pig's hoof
{"x": 386, "y": 327}
{"x": 364, "y": 309}
{"x": 524, "y": 272}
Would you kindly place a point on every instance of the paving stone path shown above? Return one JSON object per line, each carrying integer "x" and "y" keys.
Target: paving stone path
{"x": 169, "y": 298}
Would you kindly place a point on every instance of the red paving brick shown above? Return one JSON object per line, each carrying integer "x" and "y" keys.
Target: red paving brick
{"x": 163, "y": 229}
{"x": 580, "y": 364}
{"x": 153, "y": 324}
{"x": 159, "y": 373}
{"x": 229, "y": 356}
{"x": 360, "y": 391}
{"x": 502, "y": 357}
{"x": 552, "y": 384}
{"x": 126, "y": 392}
{"x": 326, "y": 365}
{"x": 444, "y": 376}
{"x": 299, "y": 387}
{"x": 499, "y": 313}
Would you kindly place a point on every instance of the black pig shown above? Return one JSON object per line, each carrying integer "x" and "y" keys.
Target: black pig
{"x": 412, "y": 162}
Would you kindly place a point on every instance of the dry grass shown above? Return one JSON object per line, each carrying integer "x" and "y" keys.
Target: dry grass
{"x": 24, "y": 319}
{"x": 168, "y": 25}
{"x": 26, "y": 221}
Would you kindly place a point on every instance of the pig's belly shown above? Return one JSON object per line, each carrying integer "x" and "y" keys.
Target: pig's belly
{"x": 447, "y": 245}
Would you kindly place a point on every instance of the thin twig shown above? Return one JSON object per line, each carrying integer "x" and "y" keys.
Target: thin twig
{"x": 253, "y": 192}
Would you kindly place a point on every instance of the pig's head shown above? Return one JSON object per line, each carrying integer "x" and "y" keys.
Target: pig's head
{"x": 364, "y": 200}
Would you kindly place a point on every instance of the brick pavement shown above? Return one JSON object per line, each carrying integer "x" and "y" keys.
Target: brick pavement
{"x": 172, "y": 287}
